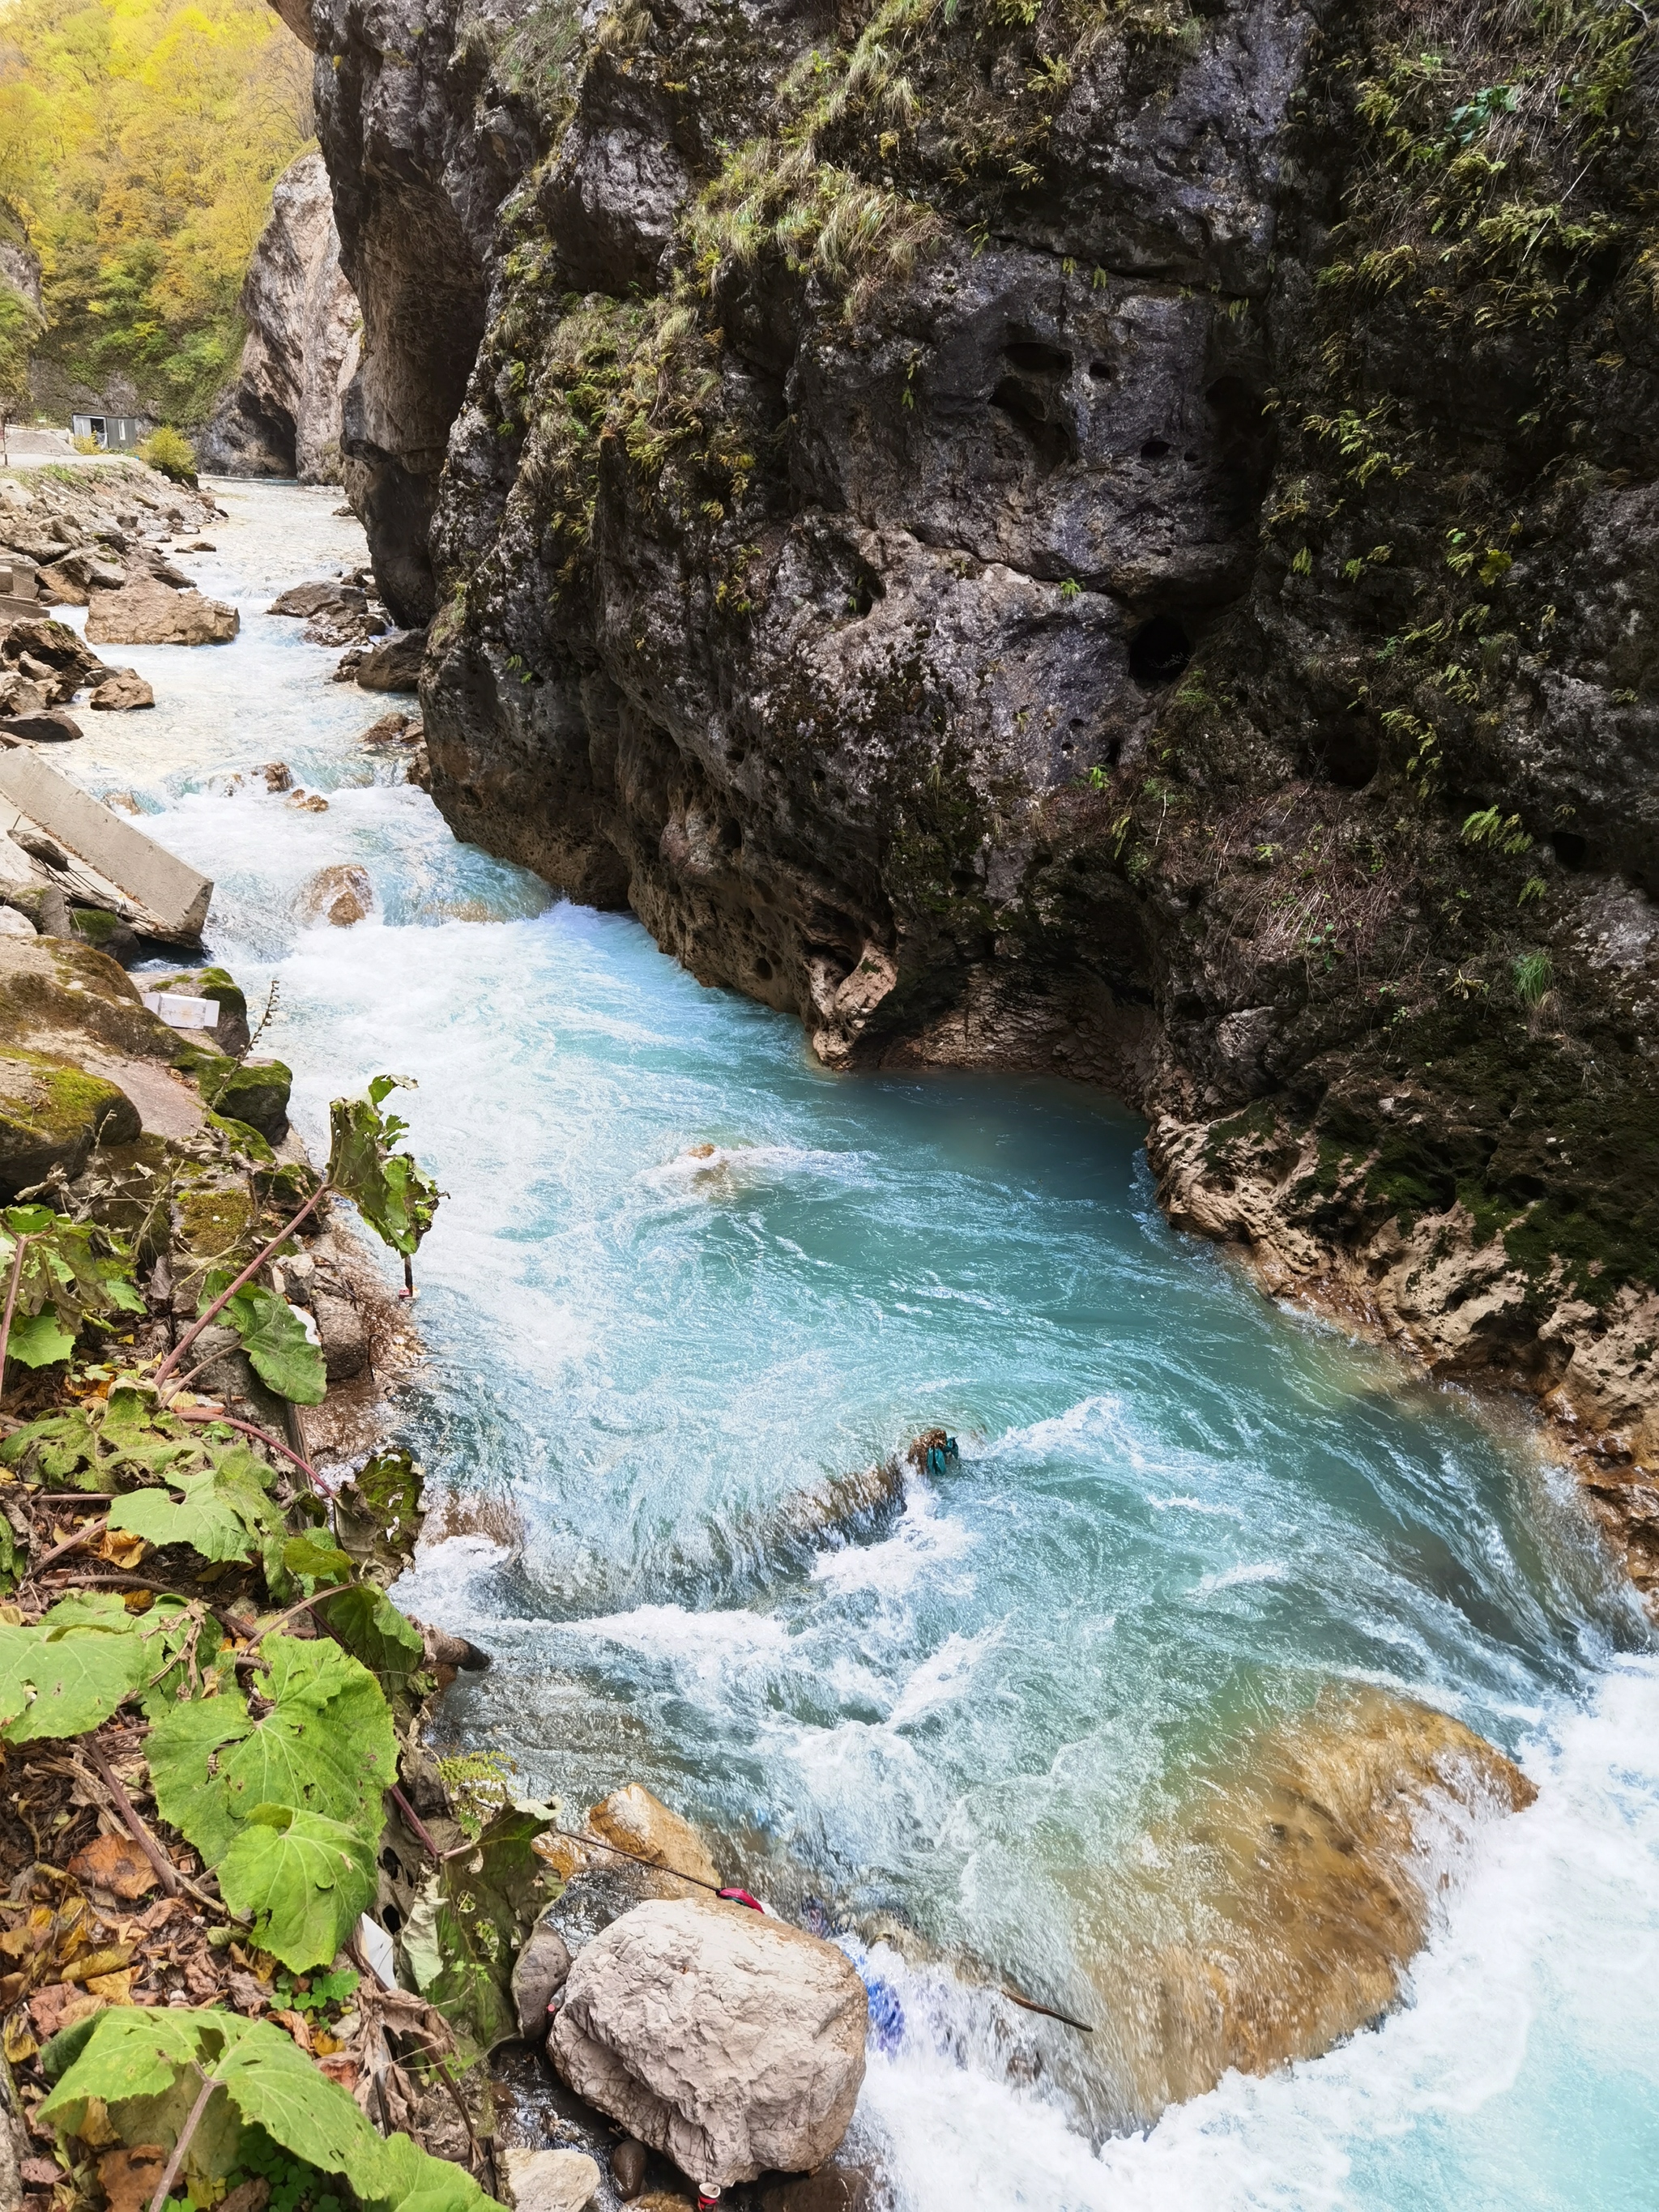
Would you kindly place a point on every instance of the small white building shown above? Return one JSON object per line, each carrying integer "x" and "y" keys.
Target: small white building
{"x": 116, "y": 434}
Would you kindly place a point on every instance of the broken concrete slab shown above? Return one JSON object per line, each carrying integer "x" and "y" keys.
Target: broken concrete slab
{"x": 111, "y": 863}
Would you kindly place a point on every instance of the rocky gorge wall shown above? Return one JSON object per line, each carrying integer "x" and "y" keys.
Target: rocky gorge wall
{"x": 282, "y": 415}
{"x": 1112, "y": 538}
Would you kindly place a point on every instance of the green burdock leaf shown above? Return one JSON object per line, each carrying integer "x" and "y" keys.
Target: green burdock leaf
{"x": 89, "y": 1446}
{"x": 37, "y": 1340}
{"x": 391, "y": 1191}
{"x": 273, "y": 1338}
{"x": 137, "y": 2062}
{"x": 325, "y": 1746}
{"x": 86, "y": 1657}
{"x": 311, "y": 1562}
{"x": 220, "y": 1514}
{"x": 373, "y": 1630}
{"x": 305, "y": 1880}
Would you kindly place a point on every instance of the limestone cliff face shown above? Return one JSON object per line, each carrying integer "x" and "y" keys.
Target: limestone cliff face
{"x": 1111, "y": 536}
{"x": 282, "y": 415}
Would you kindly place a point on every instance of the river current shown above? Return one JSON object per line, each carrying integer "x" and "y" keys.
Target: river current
{"x": 1178, "y": 1512}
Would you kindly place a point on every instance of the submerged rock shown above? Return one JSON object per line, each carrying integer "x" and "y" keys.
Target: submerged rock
{"x": 341, "y": 894}
{"x": 729, "y": 2041}
{"x": 1279, "y": 1911}
{"x": 150, "y": 612}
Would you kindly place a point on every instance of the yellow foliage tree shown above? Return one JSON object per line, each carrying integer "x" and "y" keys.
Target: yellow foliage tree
{"x": 139, "y": 141}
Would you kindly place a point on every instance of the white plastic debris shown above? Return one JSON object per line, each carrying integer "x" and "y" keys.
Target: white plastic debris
{"x": 180, "y": 1012}
{"x": 376, "y": 1946}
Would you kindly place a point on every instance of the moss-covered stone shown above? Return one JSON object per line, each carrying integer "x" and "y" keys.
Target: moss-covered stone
{"x": 52, "y": 1115}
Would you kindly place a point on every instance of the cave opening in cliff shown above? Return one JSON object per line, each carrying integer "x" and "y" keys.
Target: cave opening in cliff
{"x": 1160, "y": 650}
{"x": 1571, "y": 850}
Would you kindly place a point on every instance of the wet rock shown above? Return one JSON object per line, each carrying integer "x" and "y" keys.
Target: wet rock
{"x": 150, "y": 612}
{"x": 51, "y": 726}
{"x": 628, "y": 2163}
{"x": 397, "y": 728}
{"x": 121, "y": 692}
{"x": 729, "y": 2041}
{"x": 395, "y": 666}
{"x": 344, "y": 1337}
{"x": 341, "y": 894}
{"x": 123, "y": 802}
{"x": 641, "y": 1825}
{"x": 548, "y": 2180}
{"x": 538, "y": 1975}
{"x": 304, "y": 600}
{"x": 834, "y": 2188}
{"x": 1293, "y": 1891}
{"x": 277, "y": 774}
{"x": 51, "y": 1114}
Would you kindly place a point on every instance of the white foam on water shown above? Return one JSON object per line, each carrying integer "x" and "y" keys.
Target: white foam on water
{"x": 942, "y": 1679}
{"x": 923, "y": 1540}
{"x": 1522, "y": 2074}
{"x": 1256, "y": 1570}
{"x": 671, "y": 1633}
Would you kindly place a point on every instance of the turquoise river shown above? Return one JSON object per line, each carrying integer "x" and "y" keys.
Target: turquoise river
{"x": 1180, "y": 1512}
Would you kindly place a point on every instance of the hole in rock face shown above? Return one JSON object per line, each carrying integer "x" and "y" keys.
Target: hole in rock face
{"x": 1346, "y": 754}
{"x": 1041, "y": 360}
{"x": 1571, "y": 849}
{"x": 1160, "y": 650}
{"x": 1102, "y": 371}
{"x": 1024, "y": 406}
{"x": 763, "y": 968}
{"x": 1155, "y": 449}
{"x": 866, "y": 589}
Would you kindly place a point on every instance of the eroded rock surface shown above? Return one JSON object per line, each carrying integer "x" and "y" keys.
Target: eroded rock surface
{"x": 282, "y": 415}
{"x": 1100, "y": 541}
{"x": 148, "y": 611}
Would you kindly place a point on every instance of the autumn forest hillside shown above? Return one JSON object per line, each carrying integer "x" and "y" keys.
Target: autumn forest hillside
{"x": 139, "y": 141}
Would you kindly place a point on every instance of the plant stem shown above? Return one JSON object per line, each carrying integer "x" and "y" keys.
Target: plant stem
{"x": 11, "y": 1302}
{"x": 201, "y": 1413}
{"x": 164, "y": 1868}
{"x": 241, "y": 1281}
{"x": 417, "y": 1826}
{"x": 170, "y": 2170}
{"x": 71, "y": 1543}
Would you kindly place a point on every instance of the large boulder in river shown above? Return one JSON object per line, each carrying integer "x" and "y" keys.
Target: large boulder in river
{"x": 121, "y": 691}
{"x": 1278, "y": 1907}
{"x": 395, "y": 666}
{"x": 727, "y": 2040}
{"x": 150, "y": 612}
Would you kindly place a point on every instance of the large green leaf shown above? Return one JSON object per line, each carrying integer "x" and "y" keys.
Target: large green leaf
{"x": 325, "y": 1746}
{"x": 393, "y": 1196}
{"x": 304, "y": 1879}
{"x": 133, "y": 2058}
{"x": 373, "y": 1630}
{"x": 220, "y": 1513}
{"x": 273, "y": 1338}
{"x": 70, "y": 1673}
{"x": 89, "y": 1446}
{"x": 37, "y": 1339}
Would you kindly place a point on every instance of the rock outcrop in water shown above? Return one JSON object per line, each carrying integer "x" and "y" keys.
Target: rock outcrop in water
{"x": 1111, "y": 536}
{"x": 282, "y": 415}
{"x": 1279, "y": 1912}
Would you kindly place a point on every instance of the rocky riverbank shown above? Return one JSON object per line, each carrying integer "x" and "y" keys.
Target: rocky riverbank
{"x": 1114, "y": 541}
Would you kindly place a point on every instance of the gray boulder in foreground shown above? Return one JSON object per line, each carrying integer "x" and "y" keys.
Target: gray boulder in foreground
{"x": 731, "y": 2043}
